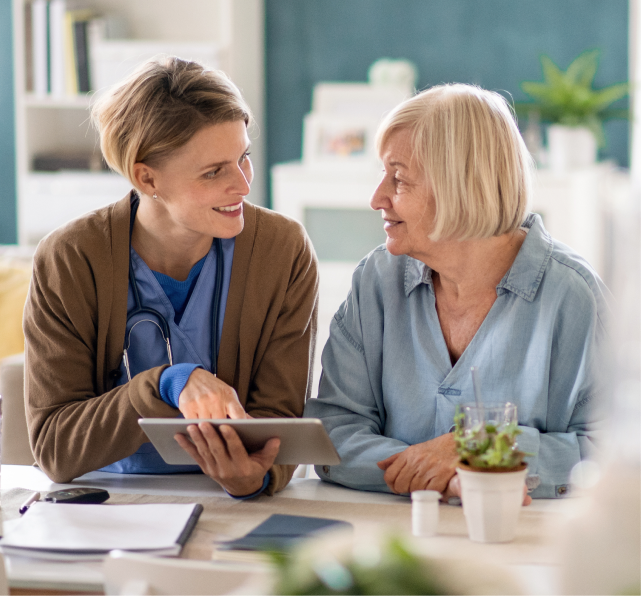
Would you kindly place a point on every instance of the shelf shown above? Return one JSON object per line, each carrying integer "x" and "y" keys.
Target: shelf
{"x": 61, "y": 124}
{"x": 72, "y": 101}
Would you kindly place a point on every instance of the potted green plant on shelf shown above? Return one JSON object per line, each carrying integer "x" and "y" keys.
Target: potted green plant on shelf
{"x": 491, "y": 470}
{"x": 574, "y": 109}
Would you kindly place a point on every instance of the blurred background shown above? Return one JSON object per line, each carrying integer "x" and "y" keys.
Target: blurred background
{"x": 319, "y": 76}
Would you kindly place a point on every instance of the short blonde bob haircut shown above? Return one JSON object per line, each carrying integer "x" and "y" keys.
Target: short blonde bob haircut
{"x": 159, "y": 108}
{"x": 467, "y": 145}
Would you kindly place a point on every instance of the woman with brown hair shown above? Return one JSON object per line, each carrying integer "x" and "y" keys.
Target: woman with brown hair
{"x": 182, "y": 298}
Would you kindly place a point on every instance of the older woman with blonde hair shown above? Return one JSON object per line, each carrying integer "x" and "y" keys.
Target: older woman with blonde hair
{"x": 467, "y": 277}
{"x": 181, "y": 298}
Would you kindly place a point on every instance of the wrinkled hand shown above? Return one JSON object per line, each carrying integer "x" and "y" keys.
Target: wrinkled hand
{"x": 454, "y": 490}
{"x": 424, "y": 466}
{"x": 222, "y": 456}
{"x": 206, "y": 396}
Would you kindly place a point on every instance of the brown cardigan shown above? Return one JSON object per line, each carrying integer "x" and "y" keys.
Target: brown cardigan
{"x": 75, "y": 319}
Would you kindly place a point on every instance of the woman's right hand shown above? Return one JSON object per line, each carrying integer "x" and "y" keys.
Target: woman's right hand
{"x": 206, "y": 396}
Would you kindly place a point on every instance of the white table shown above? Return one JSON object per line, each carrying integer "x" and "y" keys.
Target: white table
{"x": 530, "y": 558}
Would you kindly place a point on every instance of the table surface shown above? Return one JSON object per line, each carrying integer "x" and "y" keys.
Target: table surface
{"x": 531, "y": 557}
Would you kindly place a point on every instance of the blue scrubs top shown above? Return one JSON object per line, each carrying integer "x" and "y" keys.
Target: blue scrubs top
{"x": 190, "y": 326}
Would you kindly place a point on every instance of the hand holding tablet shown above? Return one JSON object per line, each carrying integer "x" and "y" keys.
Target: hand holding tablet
{"x": 302, "y": 440}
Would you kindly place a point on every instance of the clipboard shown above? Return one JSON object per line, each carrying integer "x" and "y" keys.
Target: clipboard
{"x": 302, "y": 440}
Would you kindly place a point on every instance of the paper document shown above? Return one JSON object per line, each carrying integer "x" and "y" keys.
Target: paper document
{"x": 58, "y": 530}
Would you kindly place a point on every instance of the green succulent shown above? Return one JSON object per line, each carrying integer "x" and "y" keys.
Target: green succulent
{"x": 485, "y": 446}
{"x": 568, "y": 97}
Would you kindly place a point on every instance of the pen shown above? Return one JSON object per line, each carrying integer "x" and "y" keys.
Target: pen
{"x": 30, "y": 501}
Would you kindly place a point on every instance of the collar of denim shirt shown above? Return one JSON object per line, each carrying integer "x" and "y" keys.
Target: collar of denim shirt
{"x": 522, "y": 279}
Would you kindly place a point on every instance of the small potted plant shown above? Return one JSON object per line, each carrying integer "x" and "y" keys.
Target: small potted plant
{"x": 573, "y": 108}
{"x": 491, "y": 470}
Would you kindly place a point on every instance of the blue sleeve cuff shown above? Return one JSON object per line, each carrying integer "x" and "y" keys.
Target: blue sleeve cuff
{"x": 268, "y": 477}
{"x": 173, "y": 381}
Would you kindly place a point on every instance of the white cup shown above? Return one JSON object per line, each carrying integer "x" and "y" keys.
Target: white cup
{"x": 425, "y": 512}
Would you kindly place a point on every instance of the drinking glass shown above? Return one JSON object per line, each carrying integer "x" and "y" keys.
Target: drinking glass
{"x": 498, "y": 415}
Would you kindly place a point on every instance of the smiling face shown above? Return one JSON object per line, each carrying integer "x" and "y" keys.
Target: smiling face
{"x": 404, "y": 199}
{"x": 201, "y": 186}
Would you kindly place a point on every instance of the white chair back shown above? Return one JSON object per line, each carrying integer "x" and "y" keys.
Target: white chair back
{"x": 15, "y": 438}
{"x": 4, "y": 586}
{"x": 136, "y": 575}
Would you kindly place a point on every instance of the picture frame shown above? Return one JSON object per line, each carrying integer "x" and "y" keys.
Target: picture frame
{"x": 341, "y": 128}
{"x": 339, "y": 139}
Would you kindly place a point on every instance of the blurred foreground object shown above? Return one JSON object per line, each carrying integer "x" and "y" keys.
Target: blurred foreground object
{"x": 379, "y": 563}
{"x": 575, "y": 110}
{"x": 135, "y": 573}
{"x": 600, "y": 549}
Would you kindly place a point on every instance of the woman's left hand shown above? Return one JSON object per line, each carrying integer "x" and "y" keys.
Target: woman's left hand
{"x": 222, "y": 456}
{"x": 424, "y": 466}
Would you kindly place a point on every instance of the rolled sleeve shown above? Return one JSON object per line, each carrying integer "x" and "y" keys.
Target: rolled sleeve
{"x": 173, "y": 381}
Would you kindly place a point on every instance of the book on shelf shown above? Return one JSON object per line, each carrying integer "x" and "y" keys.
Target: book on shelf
{"x": 40, "y": 48}
{"x": 56, "y": 161}
{"x": 75, "y": 51}
{"x": 28, "y": 47}
{"x": 81, "y": 53}
{"x": 58, "y": 54}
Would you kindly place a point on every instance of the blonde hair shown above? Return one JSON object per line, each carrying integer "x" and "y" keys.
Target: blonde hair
{"x": 159, "y": 108}
{"x": 467, "y": 144}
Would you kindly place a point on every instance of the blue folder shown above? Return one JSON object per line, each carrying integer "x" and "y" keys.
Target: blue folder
{"x": 280, "y": 532}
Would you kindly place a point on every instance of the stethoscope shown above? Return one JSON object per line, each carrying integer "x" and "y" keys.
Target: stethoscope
{"x": 162, "y": 323}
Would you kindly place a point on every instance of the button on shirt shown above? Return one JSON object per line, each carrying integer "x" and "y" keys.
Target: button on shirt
{"x": 388, "y": 381}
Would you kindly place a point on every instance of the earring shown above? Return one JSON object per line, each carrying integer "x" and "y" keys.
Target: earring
{"x": 155, "y": 197}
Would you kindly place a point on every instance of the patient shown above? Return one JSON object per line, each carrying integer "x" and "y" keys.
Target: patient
{"x": 467, "y": 277}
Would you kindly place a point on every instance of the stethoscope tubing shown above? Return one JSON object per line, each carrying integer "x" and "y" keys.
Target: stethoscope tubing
{"x": 162, "y": 323}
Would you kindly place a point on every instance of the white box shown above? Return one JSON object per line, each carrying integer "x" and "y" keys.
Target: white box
{"x": 111, "y": 60}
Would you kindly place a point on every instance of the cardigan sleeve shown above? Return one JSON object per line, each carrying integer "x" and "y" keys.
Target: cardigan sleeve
{"x": 282, "y": 369}
{"x": 75, "y": 423}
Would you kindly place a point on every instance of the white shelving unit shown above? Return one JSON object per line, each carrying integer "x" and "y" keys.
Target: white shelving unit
{"x": 576, "y": 205}
{"x": 47, "y": 124}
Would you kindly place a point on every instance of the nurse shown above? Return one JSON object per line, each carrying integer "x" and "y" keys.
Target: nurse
{"x": 180, "y": 299}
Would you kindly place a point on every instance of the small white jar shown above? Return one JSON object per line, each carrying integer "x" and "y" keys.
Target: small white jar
{"x": 425, "y": 512}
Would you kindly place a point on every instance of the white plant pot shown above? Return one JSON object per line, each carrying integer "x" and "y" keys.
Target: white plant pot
{"x": 491, "y": 503}
{"x": 570, "y": 147}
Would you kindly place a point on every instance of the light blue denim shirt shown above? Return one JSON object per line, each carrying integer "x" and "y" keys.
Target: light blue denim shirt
{"x": 388, "y": 381}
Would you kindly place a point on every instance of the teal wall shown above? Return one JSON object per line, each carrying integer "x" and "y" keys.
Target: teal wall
{"x": 8, "y": 209}
{"x": 493, "y": 43}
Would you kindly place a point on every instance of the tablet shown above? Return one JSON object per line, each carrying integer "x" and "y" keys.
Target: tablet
{"x": 302, "y": 440}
